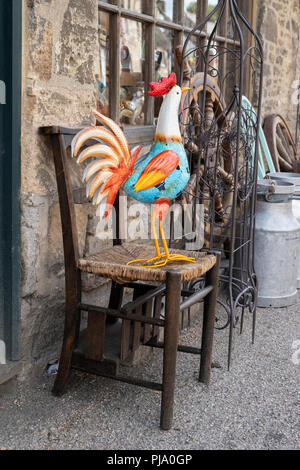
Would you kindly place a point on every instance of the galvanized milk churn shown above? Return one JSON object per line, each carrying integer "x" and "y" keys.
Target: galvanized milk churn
{"x": 277, "y": 238}
{"x": 293, "y": 178}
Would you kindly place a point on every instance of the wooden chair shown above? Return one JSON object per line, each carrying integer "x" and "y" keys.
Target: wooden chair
{"x": 140, "y": 318}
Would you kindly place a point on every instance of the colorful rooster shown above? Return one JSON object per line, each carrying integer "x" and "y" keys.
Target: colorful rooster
{"x": 158, "y": 177}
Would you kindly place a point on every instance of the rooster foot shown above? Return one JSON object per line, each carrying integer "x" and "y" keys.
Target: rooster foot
{"x": 161, "y": 260}
{"x": 169, "y": 258}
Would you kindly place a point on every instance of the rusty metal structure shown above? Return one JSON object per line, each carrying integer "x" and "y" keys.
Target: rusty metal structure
{"x": 221, "y": 138}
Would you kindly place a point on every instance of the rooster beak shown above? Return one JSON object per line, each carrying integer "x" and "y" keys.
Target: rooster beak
{"x": 185, "y": 89}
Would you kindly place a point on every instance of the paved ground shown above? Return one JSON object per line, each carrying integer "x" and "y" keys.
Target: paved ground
{"x": 255, "y": 406}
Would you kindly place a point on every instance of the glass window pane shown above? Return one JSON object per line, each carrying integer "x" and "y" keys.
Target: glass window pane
{"x": 101, "y": 82}
{"x": 135, "y": 5}
{"x": 190, "y": 13}
{"x": 132, "y": 58}
{"x": 230, "y": 28}
{"x": 164, "y": 58}
{"x": 164, "y": 9}
{"x": 211, "y": 6}
{"x": 192, "y": 53}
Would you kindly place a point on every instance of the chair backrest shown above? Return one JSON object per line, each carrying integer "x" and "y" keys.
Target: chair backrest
{"x": 61, "y": 138}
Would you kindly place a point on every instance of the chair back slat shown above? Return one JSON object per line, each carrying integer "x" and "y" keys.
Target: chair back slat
{"x": 61, "y": 140}
{"x": 79, "y": 196}
{"x": 66, "y": 202}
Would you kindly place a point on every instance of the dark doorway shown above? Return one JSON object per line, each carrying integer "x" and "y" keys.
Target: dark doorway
{"x": 10, "y": 159}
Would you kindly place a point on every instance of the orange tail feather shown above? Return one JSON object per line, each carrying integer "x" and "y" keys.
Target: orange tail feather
{"x": 115, "y": 182}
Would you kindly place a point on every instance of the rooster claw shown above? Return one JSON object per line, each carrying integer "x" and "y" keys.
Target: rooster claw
{"x": 162, "y": 260}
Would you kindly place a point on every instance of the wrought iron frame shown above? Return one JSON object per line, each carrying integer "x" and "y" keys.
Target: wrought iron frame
{"x": 230, "y": 134}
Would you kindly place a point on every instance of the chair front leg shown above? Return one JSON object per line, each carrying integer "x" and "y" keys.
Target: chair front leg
{"x": 209, "y": 318}
{"x": 171, "y": 337}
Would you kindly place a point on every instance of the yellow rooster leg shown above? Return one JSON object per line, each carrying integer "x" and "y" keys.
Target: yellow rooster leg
{"x": 159, "y": 255}
{"x": 167, "y": 257}
{"x": 155, "y": 235}
{"x": 162, "y": 259}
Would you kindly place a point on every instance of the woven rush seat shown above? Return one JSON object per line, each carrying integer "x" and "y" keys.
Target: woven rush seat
{"x": 112, "y": 263}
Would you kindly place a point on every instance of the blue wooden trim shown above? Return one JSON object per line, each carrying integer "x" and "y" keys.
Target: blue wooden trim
{"x": 10, "y": 163}
{"x": 264, "y": 156}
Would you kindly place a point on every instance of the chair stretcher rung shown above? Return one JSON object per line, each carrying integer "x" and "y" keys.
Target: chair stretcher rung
{"x": 124, "y": 316}
{"x": 181, "y": 348}
{"x": 121, "y": 378}
{"x": 143, "y": 299}
{"x": 193, "y": 299}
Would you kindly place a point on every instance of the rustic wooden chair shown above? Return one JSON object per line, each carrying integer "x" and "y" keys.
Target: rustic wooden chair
{"x": 141, "y": 318}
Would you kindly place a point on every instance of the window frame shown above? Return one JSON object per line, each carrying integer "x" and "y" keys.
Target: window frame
{"x": 140, "y": 134}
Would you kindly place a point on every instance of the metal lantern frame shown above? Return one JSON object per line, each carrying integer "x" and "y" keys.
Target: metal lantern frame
{"x": 222, "y": 140}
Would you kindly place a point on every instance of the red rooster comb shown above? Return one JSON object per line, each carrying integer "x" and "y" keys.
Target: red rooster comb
{"x": 165, "y": 85}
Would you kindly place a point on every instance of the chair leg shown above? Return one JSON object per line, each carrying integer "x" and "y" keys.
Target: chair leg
{"x": 115, "y": 301}
{"x": 209, "y": 318}
{"x": 171, "y": 337}
{"x": 71, "y": 326}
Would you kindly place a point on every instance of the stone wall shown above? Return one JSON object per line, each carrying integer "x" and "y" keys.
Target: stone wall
{"x": 60, "y": 60}
{"x": 278, "y": 23}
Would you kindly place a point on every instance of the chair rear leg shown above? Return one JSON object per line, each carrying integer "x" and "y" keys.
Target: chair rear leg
{"x": 171, "y": 336}
{"x": 115, "y": 301}
{"x": 70, "y": 333}
{"x": 209, "y": 318}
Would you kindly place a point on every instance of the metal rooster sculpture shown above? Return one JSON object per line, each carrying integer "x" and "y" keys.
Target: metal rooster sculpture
{"x": 158, "y": 177}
